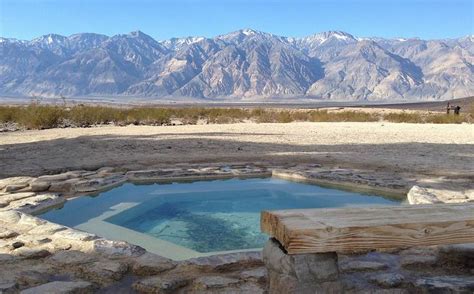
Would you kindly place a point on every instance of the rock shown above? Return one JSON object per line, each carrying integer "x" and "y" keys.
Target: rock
{"x": 8, "y": 287}
{"x": 72, "y": 257}
{"x": 379, "y": 291}
{"x": 388, "y": 280}
{"x": 31, "y": 253}
{"x": 39, "y": 186}
{"x": 117, "y": 248}
{"x": 32, "y": 278}
{"x": 32, "y": 240}
{"x": 30, "y": 221}
{"x": 150, "y": 264}
{"x": 61, "y": 287}
{"x": 460, "y": 254}
{"x": 15, "y": 187}
{"x": 9, "y": 217}
{"x": 47, "y": 229}
{"x": 214, "y": 282}
{"x": 359, "y": 265}
{"x": 258, "y": 274}
{"x": 6, "y": 234}
{"x": 316, "y": 267}
{"x": 4, "y": 258}
{"x": 420, "y": 195}
{"x": 39, "y": 203}
{"x": 98, "y": 184}
{"x": 418, "y": 261}
{"x": 76, "y": 235}
{"x": 17, "y": 244}
{"x": 67, "y": 186}
{"x": 228, "y": 262}
{"x": 159, "y": 284}
{"x": 59, "y": 177}
{"x": 105, "y": 171}
{"x": 104, "y": 272}
{"x": 275, "y": 259}
{"x": 16, "y": 196}
{"x": 305, "y": 273}
{"x": 446, "y": 284}
{"x": 15, "y": 181}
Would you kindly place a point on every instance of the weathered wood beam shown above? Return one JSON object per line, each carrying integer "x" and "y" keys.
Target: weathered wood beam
{"x": 349, "y": 230}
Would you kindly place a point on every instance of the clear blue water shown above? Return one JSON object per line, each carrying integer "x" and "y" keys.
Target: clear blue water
{"x": 206, "y": 216}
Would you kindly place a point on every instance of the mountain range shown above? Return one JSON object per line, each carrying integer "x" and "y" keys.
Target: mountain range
{"x": 244, "y": 65}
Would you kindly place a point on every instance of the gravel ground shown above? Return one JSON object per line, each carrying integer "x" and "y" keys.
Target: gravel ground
{"x": 416, "y": 148}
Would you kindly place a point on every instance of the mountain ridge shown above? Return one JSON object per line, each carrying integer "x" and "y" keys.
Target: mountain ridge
{"x": 242, "y": 65}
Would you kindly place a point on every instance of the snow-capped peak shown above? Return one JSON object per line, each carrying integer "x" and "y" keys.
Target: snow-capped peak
{"x": 321, "y": 38}
{"x": 50, "y": 39}
{"x": 248, "y": 32}
{"x": 177, "y": 43}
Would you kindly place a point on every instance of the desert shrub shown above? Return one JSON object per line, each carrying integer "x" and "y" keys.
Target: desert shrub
{"x": 284, "y": 117}
{"x": 84, "y": 116}
{"x": 446, "y": 119}
{"x": 341, "y": 116}
{"x": 8, "y": 114}
{"x": 404, "y": 117}
{"x": 36, "y": 116}
{"x": 147, "y": 116}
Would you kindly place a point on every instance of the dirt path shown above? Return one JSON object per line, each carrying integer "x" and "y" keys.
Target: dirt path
{"x": 416, "y": 148}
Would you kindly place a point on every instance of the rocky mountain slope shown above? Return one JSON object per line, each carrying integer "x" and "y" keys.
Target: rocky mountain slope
{"x": 239, "y": 66}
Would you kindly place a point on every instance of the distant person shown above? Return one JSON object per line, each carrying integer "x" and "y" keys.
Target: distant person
{"x": 457, "y": 110}
{"x": 448, "y": 108}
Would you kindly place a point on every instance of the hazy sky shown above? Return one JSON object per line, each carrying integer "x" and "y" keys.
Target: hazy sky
{"x": 27, "y": 19}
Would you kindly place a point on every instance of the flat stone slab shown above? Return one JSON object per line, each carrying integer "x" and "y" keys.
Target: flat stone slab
{"x": 61, "y": 287}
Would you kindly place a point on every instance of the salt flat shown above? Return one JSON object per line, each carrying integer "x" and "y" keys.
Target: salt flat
{"x": 431, "y": 149}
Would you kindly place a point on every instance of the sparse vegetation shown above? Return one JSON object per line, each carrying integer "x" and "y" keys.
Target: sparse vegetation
{"x": 37, "y": 116}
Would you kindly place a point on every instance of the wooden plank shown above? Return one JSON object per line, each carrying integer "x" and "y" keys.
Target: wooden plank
{"x": 348, "y": 230}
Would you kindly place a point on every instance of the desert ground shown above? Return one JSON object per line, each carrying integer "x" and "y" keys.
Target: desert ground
{"x": 424, "y": 149}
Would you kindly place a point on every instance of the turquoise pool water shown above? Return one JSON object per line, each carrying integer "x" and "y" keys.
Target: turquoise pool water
{"x": 203, "y": 216}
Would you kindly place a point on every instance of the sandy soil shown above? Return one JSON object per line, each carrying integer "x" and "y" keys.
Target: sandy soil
{"x": 417, "y": 148}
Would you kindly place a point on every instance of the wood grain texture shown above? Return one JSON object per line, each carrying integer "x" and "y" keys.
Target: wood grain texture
{"x": 349, "y": 230}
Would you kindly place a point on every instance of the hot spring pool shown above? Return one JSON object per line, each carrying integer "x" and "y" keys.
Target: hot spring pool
{"x": 184, "y": 220}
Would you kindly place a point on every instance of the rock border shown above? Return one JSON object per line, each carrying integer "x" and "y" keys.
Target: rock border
{"x": 34, "y": 249}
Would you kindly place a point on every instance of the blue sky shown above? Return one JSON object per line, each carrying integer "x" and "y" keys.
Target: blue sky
{"x": 27, "y": 19}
